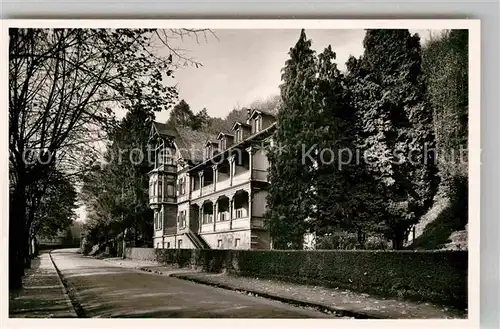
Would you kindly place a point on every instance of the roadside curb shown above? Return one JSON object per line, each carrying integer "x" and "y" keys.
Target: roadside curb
{"x": 74, "y": 307}
{"x": 322, "y": 308}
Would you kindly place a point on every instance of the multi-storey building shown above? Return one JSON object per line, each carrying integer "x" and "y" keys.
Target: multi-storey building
{"x": 210, "y": 191}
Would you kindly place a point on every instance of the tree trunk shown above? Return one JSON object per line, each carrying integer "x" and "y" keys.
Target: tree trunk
{"x": 17, "y": 238}
{"x": 398, "y": 238}
{"x": 26, "y": 247}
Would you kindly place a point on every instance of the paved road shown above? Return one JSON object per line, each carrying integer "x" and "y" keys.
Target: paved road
{"x": 107, "y": 290}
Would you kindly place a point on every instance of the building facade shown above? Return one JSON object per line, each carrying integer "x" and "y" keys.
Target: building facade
{"x": 210, "y": 191}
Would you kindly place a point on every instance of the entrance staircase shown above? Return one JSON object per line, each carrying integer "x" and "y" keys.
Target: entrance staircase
{"x": 197, "y": 240}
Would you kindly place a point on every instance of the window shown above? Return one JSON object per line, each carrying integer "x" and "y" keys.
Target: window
{"x": 239, "y": 213}
{"x": 181, "y": 186}
{"x": 181, "y": 219}
{"x": 208, "y": 152}
{"x": 236, "y": 243}
{"x": 179, "y": 243}
{"x": 258, "y": 123}
{"x": 239, "y": 135}
{"x": 160, "y": 189}
{"x": 222, "y": 216}
{"x": 170, "y": 190}
{"x": 159, "y": 158}
{"x": 219, "y": 243}
{"x": 160, "y": 219}
{"x": 223, "y": 143}
{"x": 169, "y": 159}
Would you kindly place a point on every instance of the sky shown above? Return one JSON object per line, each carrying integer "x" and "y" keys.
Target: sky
{"x": 242, "y": 66}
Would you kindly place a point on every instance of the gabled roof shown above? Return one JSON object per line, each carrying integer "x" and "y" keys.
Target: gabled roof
{"x": 211, "y": 142}
{"x": 190, "y": 143}
{"x": 262, "y": 112}
{"x": 239, "y": 123}
{"x": 164, "y": 130}
{"x": 224, "y": 134}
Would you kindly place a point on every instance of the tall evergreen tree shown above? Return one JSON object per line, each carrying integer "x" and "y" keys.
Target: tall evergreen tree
{"x": 116, "y": 195}
{"x": 201, "y": 120}
{"x": 181, "y": 115}
{"x": 331, "y": 124}
{"x": 289, "y": 198}
{"x": 396, "y": 135}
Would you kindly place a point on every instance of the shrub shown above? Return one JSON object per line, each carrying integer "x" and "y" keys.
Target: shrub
{"x": 436, "y": 276}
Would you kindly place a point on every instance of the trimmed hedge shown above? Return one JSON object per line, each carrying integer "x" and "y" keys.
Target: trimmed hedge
{"x": 435, "y": 276}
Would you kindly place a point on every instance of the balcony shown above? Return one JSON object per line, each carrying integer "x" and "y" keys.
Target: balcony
{"x": 207, "y": 189}
{"x": 240, "y": 177}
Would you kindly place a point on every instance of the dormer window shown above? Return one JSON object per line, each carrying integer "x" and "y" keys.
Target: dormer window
{"x": 208, "y": 152}
{"x": 258, "y": 124}
{"x": 223, "y": 143}
{"x": 239, "y": 135}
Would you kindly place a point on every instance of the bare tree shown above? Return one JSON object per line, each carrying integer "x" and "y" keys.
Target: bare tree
{"x": 63, "y": 87}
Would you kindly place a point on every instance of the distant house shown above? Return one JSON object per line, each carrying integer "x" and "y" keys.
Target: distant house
{"x": 209, "y": 191}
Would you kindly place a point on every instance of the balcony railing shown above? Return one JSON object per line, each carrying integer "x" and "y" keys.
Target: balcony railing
{"x": 207, "y": 189}
{"x": 207, "y": 219}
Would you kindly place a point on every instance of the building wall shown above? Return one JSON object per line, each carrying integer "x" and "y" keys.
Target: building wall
{"x": 158, "y": 232}
{"x": 183, "y": 207}
{"x": 259, "y": 203}
{"x": 228, "y": 239}
{"x": 260, "y": 160}
{"x": 262, "y": 240}
{"x": 170, "y": 218}
{"x": 266, "y": 121}
{"x": 157, "y": 242}
{"x": 224, "y": 232}
{"x": 172, "y": 242}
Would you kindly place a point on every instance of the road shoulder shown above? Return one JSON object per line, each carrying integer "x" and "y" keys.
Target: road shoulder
{"x": 43, "y": 295}
{"x": 341, "y": 302}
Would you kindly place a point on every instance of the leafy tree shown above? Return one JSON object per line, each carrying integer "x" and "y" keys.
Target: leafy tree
{"x": 269, "y": 104}
{"x": 117, "y": 194}
{"x": 445, "y": 63}
{"x": 237, "y": 114}
{"x": 396, "y": 136}
{"x": 56, "y": 211}
{"x": 289, "y": 199}
{"x": 201, "y": 120}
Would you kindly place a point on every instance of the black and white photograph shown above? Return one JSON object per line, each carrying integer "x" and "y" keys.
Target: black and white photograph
{"x": 249, "y": 169}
